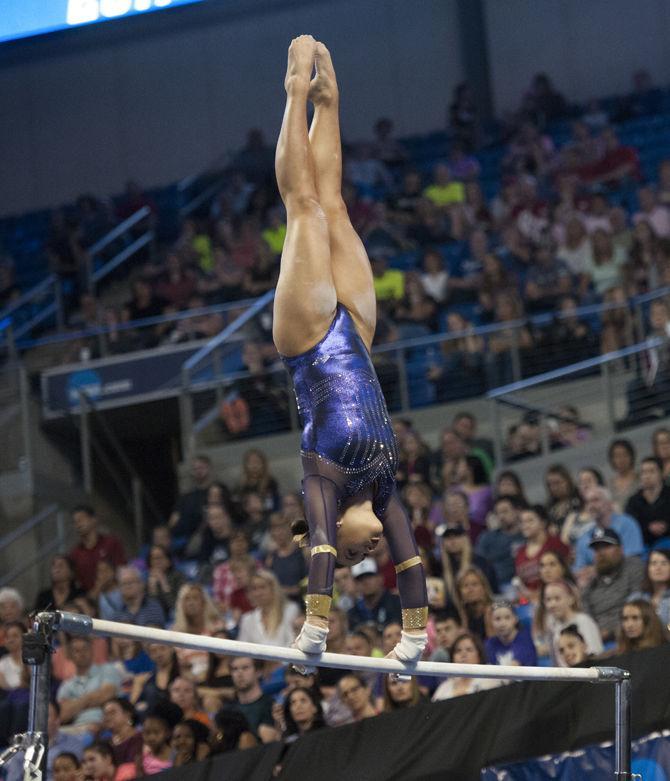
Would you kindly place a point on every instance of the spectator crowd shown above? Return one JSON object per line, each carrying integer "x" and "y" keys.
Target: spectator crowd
{"x": 573, "y": 580}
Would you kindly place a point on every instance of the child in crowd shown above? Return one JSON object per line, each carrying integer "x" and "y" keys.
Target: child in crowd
{"x": 561, "y": 603}
{"x": 156, "y": 752}
{"x": 572, "y": 648}
{"x": 640, "y": 627}
{"x": 511, "y": 643}
{"x": 447, "y": 628}
{"x": 66, "y": 767}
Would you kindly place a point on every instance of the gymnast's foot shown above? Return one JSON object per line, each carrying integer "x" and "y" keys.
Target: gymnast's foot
{"x": 300, "y": 63}
{"x": 323, "y": 87}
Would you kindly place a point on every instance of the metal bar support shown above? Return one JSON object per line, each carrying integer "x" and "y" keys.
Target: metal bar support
{"x": 85, "y": 443}
{"x": 623, "y": 729}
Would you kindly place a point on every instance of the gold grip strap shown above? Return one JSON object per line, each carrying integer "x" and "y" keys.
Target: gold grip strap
{"x": 414, "y": 617}
{"x": 317, "y": 605}
{"x": 413, "y": 562}
{"x": 324, "y": 549}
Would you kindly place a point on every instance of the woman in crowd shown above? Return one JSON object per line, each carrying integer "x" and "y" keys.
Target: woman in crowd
{"x": 224, "y": 581}
{"x": 639, "y": 627}
{"x": 624, "y": 481}
{"x": 106, "y": 590}
{"x": 271, "y": 620}
{"x": 457, "y": 558}
{"x": 418, "y": 500}
{"x": 562, "y": 496}
{"x": 189, "y": 743}
{"x": 472, "y": 480}
{"x": 534, "y": 522}
{"x": 195, "y": 613}
{"x": 510, "y": 643}
{"x": 608, "y": 262}
{"x": 508, "y": 483}
{"x": 231, "y": 731}
{"x": 63, "y": 587}
{"x": 553, "y": 568}
{"x": 476, "y": 600}
{"x": 467, "y": 649}
{"x": 561, "y": 603}
{"x": 98, "y": 763}
{"x": 11, "y": 664}
{"x": 660, "y": 442}
{"x": 589, "y": 477}
{"x": 656, "y": 584}
{"x": 217, "y": 687}
{"x": 572, "y": 648}
{"x": 400, "y": 693}
{"x": 356, "y": 693}
{"x": 130, "y": 659}
{"x": 184, "y": 693}
{"x": 302, "y": 712}
{"x": 163, "y": 580}
{"x": 256, "y": 477}
{"x": 149, "y": 688}
{"x": 414, "y": 463}
{"x": 120, "y": 719}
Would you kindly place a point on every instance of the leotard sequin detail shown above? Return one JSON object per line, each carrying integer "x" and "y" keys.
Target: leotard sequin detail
{"x": 343, "y": 411}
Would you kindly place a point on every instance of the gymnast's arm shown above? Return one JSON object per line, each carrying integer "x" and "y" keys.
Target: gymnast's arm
{"x": 411, "y": 579}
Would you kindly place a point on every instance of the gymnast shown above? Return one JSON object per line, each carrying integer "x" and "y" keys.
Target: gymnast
{"x": 324, "y": 323}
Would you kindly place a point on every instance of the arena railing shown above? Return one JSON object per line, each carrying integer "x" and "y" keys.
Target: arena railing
{"x": 48, "y": 529}
{"x": 610, "y": 392}
{"x": 38, "y": 645}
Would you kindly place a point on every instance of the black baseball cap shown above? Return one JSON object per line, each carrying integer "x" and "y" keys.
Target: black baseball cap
{"x": 602, "y": 536}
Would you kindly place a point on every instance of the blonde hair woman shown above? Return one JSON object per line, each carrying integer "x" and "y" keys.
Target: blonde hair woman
{"x": 271, "y": 620}
{"x": 195, "y": 613}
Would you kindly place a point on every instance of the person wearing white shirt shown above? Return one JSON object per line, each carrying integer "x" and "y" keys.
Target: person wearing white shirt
{"x": 561, "y": 602}
{"x": 271, "y": 621}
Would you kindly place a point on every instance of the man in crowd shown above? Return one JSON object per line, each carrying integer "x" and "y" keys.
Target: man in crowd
{"x": 375, "y": 605}
{"x": 616, "y": 578}
{"x": 81, "y": 697}
{"x": 138, "y": 608}
{"x": 188, "y": 514}
{"x": 600, "y": 509}
{"x": 249, "y": 698}
{"x": 499, "y": 546}
{"x": 92, "y": 547}
{"x": 650, "y": 506}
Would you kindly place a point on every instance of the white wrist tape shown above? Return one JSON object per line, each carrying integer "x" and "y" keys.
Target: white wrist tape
{"x": 312, "y": 639}
{"x": 410, "y": 647}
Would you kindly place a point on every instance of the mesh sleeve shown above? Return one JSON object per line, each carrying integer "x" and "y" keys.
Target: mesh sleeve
{"x": 320, "y": 496}
{"x": 400, "y": 538}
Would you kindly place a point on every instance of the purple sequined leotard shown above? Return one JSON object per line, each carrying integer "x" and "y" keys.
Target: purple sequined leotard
{"x": 343, "y": 412}
{"x": 348, "y": 446}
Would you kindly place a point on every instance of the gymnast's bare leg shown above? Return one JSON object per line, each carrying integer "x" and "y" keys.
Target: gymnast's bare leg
{"x": 305, "y": 299}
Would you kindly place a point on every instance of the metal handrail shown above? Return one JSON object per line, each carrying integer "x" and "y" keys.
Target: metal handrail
{"x": 119, "y": 230}
{"x": 221, "y": 337}
{"x": 121, "y": 257}
{"x": 29, "y": 295}
{"x": 574, "y": 368}
{"x": 26, "y": 526}
{"x": 130, "y": 325}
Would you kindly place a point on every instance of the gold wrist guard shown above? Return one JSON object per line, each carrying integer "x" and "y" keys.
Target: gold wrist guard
{"x": 414, "y": 618}
{"x": 317, "y": 605}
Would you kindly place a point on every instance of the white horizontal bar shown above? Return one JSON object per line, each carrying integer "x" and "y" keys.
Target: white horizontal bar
{"x": 97, "y": 626}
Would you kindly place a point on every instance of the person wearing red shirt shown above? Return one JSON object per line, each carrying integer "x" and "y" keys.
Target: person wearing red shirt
{"x": 617, "y": 164}
{"x": 92, "y": 547}
{"x": 534, "y": 522}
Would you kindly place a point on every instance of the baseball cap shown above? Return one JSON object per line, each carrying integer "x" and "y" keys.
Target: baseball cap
{"x": 450, "y": 530}
{"x": 365, "y": 567}
{"x": 602, "y": 536}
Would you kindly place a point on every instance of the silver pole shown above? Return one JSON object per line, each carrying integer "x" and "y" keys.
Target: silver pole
{"x": 402, "y": 380}
{"x": 85, "y": 443}
{"x": 58, "y": 296}
{"x": 24, "y": 398}
{"x": 497, "y": 434}
{"x": 137, "y": 510}
{"x": 606, "y": 379}
{"x": 622, "y": 737}
{"x": 37, "y": 654}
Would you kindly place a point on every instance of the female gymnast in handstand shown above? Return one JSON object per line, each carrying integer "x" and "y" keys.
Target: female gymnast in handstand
{"x": 324, "y": 323}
